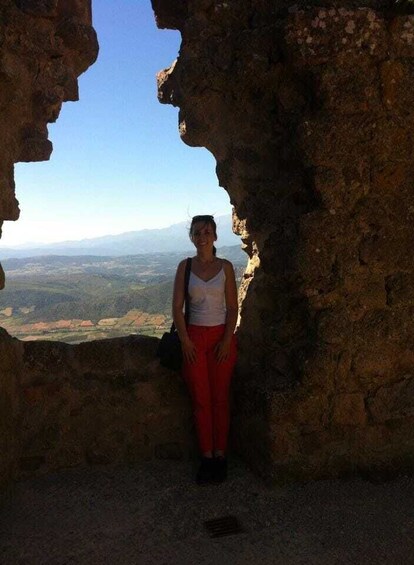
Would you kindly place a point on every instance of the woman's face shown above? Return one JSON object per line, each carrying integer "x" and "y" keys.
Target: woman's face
{"x": 203, "y": 235}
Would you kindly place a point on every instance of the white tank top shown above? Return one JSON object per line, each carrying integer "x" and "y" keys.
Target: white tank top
{"x": 207, "y": 300}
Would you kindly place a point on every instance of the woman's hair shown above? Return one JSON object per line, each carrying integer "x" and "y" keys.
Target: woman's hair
{"x": 207, "y": 219}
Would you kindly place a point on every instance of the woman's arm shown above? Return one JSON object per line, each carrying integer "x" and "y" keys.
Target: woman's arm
{"x": 187, "y": 345}
{"x": 230, "y": 293}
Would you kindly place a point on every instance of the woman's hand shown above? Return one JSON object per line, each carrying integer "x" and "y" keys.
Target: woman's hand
{"x": 189, "y": 351}
{"x": 222, "y": 350}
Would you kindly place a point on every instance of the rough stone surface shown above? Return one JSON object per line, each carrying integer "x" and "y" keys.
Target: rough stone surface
{"x": 101, "y": 402}
{"x": 44, "y": 46}
{"x": 308, "y": 110}
{"x": 10, "y": 364}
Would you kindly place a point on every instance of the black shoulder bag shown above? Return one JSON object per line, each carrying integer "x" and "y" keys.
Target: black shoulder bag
{"x": 169, "y": 349}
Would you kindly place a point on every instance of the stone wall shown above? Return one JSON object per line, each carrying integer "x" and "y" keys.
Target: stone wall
{"x": 61, "y": 405}
{"x": 106, "y": 401}
{"x": 44, "y": 46}
{"x": 309, "y": 114}
{"x": 10, "y": 368}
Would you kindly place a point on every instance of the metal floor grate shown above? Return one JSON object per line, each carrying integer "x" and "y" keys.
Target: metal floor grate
{"x": 224, "y": 526}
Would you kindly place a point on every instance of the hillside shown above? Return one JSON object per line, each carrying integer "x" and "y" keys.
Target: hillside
{"x": 77, "y": 298}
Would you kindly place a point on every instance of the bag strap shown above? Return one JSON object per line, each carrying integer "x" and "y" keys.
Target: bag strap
{"x": 186, "y": 295}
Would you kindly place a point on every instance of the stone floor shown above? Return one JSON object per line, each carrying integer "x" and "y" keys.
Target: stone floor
{"x": 154, "y": 514}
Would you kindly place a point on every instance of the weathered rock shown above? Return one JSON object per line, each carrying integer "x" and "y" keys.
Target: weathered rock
{"x": 170, "y": 13}
{"x": 102, "y": 402}
{"x": 44, "y": 46}
{"x": 349, "y": 410}
{"x": 10, "y": 367}
{"x": 394, "y": 401}
{"x": 307, "y": 109}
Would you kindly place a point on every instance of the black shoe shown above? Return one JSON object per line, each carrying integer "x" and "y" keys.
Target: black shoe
{"x": 205, "y": 471}
{"x": 220, "y": 469}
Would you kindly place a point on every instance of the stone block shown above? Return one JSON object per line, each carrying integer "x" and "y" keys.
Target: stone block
{"x": 35, "y": 149}
{"x": 389, "y": 178}
{"x": 391, "y": 140}
{"x": 371, "y": 439}
{"x": 284, "y": 443}
{"x": 81, "y": 38}
{"x": 45, "y": 361}
{"x": 364, "y": 291}
{"x": 315, "y": 249}
{"x": 314, "y": 443}
{"x": 394, "y": 401}
{"x": 384, "y": 328}
{"x": 400, "y": 289}
{"x": 402, "y": 36}
{"x": 39, "y": 394}
{"x": 80, "y": 9}
{"x": 96, "y": 358}
{"x": 170, "y": 14}
{"x": 10, "y": 353}
{"x": 342, "y": 188}
{"x": 147, "y": 395}
{"x": 347, "y": 93}
{"x": 71, "y": 89}
{"x": 317, "y": 36}
{"x": 396, "y": 78}
{"x": 328, "y": 369}
{"x": 334, "y": 326}
{"x": 374, "y": 363}
{"x": 311, "y": 412}
{"x": 9, "y": 205}
{"x": 38, "y": 8}
{"x": 384, "y": 248}
{"x": 349, "y": 410}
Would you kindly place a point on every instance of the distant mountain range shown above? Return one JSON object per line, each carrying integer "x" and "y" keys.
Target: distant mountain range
{"x": 166, "y": 240}
{"x": 77, "y": 298}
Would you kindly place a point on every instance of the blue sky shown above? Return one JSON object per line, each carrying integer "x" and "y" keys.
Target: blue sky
{"x": 118, "y": 163}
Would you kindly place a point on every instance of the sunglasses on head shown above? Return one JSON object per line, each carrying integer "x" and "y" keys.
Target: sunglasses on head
{"x": 202, "y": 218}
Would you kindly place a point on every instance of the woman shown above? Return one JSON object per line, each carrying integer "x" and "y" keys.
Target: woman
{"x": 208, "y": 344}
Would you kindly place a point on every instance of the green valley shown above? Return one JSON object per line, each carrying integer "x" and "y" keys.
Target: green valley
{"x": 74, "y": 299}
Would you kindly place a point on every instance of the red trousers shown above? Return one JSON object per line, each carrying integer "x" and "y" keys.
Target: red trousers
{"x": 209, "y": 384}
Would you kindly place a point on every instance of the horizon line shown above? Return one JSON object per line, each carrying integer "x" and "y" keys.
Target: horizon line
{"x": 18, "y": 246}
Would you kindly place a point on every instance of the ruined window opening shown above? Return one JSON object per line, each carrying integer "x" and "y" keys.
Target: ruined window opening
{"x": 56, "y": 297}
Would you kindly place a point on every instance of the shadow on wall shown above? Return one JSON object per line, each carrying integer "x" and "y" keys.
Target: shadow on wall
{"x": 305, "y": 110}
{"x": 307, "y": 113}
{"x": 103, "y": 402}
